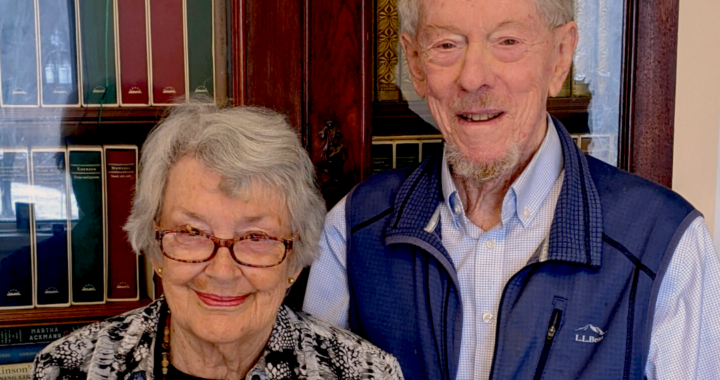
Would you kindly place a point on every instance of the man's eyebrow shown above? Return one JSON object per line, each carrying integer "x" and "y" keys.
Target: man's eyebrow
{"x": 440, "y": 28}
{"x": 510, "y": 23}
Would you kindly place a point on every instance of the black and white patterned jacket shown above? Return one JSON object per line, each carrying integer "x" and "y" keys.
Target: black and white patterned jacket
{"x": 300, "y": 347}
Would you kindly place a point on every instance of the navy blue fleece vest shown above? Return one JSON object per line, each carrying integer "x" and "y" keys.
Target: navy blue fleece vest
{"x": 586, "y": 312}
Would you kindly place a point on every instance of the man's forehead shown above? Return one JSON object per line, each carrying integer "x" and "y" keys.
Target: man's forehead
{"x": 459, "y": 15}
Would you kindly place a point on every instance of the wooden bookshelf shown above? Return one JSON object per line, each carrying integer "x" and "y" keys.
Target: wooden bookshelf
{"x": 72, "y": 314}
{"x": 82, "y": 115}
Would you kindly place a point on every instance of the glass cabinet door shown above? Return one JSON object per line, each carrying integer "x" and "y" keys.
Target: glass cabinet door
{"x": 82, "y": 82}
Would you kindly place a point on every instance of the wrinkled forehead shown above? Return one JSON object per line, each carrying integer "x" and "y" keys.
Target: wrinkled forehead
{"x": 466, "y": 15}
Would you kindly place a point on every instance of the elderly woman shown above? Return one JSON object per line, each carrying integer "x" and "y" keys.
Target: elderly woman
{"x": 227, "y": 210}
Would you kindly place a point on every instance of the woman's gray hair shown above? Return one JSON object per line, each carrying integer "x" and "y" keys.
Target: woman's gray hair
{"x": 555, "y": 13}
{"x": 245, "y": 146}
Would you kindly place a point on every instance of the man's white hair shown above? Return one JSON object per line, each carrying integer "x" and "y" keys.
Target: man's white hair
{"x": 555, "y": 13}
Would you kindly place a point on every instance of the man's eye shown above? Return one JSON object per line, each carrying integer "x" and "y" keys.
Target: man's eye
{"x": 509, "y": 42}
{"x": 446, "y": 46}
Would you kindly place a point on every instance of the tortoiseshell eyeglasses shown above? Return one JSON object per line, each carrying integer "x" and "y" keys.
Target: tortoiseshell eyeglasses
{"x": 254, "y": 249}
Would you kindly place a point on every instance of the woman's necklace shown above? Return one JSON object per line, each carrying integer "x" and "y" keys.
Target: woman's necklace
{"x": 166, "y": 346}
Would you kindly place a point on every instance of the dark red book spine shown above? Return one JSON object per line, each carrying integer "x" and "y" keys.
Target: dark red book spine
{"x": 168, "y": 51}
{"x": 122, "y": 261}
{"x": 132, "y": 33}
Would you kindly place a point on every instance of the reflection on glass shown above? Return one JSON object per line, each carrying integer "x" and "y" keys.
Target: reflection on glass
{"x": 51, "y": 226}
{"x": 598, "y": 61}
{"x": 15, "y": 230}
{"x": 58, "y": 52}
{"x": 18, "y": 53}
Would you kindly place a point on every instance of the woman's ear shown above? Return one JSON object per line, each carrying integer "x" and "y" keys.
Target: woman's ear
{"x": 294, "y": 277}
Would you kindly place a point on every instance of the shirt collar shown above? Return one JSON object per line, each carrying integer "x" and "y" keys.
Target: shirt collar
{"x": 529, "y": 190}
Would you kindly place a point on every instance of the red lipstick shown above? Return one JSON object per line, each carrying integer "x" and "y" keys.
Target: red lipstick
{"x": 220, "y": 301}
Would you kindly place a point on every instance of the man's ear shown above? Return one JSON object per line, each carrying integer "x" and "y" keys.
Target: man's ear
{"x": 412, "y": 54}
{"x": 566, "y": 38}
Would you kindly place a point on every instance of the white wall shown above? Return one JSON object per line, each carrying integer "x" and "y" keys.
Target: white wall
{"x": 696, "y": 159}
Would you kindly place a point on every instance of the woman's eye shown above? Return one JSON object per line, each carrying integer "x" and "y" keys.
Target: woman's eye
{"x": 191, "y": 231}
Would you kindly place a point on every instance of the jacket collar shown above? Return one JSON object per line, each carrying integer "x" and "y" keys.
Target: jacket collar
{"x": 576, "y": 230}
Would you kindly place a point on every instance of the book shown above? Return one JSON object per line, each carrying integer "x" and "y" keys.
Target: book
{"x": 16, "y": 371}
{"x": 16, "y": 246}
{"x": 407, "y": 154}
{"x": 50, "y": 211}
{"x": 18, "y": 54}
{"x": 200, "y": 48}
{"x": 30, "y": 335}
{"x": 382, "y": 156}
{"x": 87, "y": 185}
{"x": 133, "y": 46}
{"x": 167, "y": 51}
{"x": 98, "y": 52}
{"x": 430, "y": 147}
{"x": 121, "y": 176}
{"x": 20, "y": 354}
{"x": 58, "y": 53}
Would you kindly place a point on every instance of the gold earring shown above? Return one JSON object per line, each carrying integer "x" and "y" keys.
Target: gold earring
{"x": 291, "y": 280}
{"x": 159, "y": 271}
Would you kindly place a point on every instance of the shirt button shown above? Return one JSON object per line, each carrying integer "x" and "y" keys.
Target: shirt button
{"x": 487, "y": 317}
{"x": 526, "y": 213}
{"x": 457, "y": 209}
{"x": 490, "y": 244}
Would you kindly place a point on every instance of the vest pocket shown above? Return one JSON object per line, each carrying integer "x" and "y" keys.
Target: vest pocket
{"x": 553, "y": 327}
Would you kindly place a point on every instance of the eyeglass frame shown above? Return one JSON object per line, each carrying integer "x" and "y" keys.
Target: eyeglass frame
{"x": 226, "y": 243}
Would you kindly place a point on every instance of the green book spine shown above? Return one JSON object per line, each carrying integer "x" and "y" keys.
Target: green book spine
{"x": 97, "y": 46}
{"x": 199, "y": 16}
{"x": 87, "y": 237}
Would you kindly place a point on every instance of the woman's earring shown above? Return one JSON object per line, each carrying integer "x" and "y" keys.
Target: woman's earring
{"x": 291, "y": 280}
{"x": 159, "y": 271}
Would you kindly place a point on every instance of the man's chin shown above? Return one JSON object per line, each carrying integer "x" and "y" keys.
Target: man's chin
{"x": 481, "y": 170}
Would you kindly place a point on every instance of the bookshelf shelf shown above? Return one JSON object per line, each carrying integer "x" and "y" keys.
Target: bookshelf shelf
{"x": 72, "y": 314}
{"x": 85, "y": 115}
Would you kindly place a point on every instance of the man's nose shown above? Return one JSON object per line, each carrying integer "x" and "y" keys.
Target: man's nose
{"x": 475, "y": 70}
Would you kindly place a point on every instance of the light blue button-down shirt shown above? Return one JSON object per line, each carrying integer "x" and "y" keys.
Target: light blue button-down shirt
{"x": 685, "y": 343}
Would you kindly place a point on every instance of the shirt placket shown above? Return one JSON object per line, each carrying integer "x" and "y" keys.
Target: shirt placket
{"x": 488, "y": 274}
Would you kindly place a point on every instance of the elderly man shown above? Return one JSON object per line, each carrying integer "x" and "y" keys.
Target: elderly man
{"x": 513, "y": 255}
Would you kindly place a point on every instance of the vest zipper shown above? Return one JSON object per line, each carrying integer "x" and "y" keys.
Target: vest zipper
{"x": 549, "y": 337}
